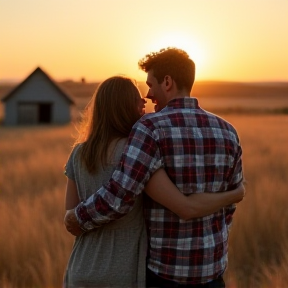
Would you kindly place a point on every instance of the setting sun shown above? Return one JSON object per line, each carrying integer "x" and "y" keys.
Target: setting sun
{"x": 186, "y": 42}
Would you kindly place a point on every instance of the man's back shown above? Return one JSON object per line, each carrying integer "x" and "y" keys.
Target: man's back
{"x": 200, "y": 152}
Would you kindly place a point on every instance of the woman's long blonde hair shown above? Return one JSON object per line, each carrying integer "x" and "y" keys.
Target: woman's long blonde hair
{"x": 109, "y": 115}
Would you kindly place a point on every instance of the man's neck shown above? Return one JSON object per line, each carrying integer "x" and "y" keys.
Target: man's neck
{"x": 178, "y": 94}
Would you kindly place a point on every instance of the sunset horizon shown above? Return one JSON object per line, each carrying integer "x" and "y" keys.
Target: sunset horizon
{"x": 239, "y": 41}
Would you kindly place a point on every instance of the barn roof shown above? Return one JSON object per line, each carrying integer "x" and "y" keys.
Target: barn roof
{"x": 64, "y": 93}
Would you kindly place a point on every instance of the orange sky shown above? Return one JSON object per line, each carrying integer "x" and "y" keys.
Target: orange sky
{"x": 234, "y": 40}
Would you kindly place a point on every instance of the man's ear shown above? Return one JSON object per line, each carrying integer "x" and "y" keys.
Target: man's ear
{"x": 168, "y": 82}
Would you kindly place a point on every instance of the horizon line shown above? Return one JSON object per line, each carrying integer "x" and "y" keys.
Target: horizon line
{"x": 15, "y": 81}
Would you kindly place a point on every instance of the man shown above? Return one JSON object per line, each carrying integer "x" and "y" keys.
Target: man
{"x": 200, "y": 152}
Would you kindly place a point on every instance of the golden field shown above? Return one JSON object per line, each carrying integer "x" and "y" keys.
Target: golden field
{"x": 34, "y": 246}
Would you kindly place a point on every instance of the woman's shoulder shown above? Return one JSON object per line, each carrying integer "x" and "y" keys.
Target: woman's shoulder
{"x": 121, "y": 142}
{"x": 116, "y": 149}
{"x": 120, "y": 145}
{"x": 75, "y": 151}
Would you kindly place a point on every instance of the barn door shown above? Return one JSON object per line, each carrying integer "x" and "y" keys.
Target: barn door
{"x": 45, "y": 113}
{"x": 27, "y": 113}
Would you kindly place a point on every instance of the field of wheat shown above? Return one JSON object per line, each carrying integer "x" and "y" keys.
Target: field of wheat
{"x": 34, "y": 246}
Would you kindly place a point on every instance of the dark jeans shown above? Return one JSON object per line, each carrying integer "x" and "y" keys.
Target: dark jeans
{"x": 154, "y": 281}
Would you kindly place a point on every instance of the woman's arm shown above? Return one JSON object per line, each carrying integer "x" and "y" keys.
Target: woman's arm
{"x": 71, "y": 201}
{"x": 162, "y": 190}
{"x": 71, "y": 198}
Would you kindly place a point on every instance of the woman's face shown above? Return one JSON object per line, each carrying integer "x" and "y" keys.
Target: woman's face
{"x": 141, "y": 106}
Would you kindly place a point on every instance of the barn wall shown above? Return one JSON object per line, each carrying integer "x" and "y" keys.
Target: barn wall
{"x": 10, "y": 112}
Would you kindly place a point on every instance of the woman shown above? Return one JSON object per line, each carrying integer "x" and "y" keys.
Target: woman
{"x": 97, "y": 256}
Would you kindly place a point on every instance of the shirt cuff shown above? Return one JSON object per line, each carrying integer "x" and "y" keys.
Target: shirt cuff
{"x": 83, "y": 218}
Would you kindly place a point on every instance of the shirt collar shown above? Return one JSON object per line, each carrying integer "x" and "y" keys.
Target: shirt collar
{"x": 185, "y": 102}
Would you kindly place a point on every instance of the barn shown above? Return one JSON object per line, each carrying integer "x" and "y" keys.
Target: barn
{"x": 37, "y": 100}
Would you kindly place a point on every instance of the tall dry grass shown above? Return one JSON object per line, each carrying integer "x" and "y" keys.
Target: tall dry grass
{"x": 258, "y": 242}
{"x": 34, "y": 246}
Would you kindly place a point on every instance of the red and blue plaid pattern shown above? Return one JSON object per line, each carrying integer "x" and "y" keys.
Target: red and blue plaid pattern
{"x": 200, "y": 152}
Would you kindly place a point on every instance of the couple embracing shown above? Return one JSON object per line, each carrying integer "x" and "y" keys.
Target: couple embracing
{"x": 150, "y": 198}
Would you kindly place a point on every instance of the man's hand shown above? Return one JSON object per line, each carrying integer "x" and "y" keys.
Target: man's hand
{"x": 71, "y": 223}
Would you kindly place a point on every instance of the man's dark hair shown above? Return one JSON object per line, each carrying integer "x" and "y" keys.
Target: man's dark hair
{"x": 173, "y": 62}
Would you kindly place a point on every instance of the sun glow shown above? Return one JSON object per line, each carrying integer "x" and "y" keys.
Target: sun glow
{"x": 188, "y": 44}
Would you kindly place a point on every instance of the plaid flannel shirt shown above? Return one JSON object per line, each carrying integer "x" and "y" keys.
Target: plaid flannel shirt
{"x": 200, "y": 152}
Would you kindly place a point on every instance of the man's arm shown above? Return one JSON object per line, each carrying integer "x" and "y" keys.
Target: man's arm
{"x": 236, "y": 177}
{"x": 162, "y": 190}
{"x": 116, "y": 198}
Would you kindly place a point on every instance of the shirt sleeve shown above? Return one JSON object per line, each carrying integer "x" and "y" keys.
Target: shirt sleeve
{"x": 140, "y": 159}
{"x": 236, "y": 178}
{"x": 69, "y": 167}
